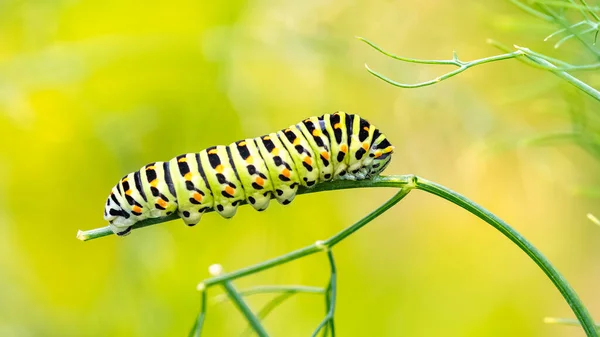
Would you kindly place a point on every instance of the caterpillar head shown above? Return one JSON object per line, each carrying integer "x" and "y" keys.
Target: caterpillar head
{"x": 380, "y": 155}
{"x": 119, "y": 219}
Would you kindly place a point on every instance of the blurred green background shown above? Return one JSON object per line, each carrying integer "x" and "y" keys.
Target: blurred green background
{"x": 92, "y": 90}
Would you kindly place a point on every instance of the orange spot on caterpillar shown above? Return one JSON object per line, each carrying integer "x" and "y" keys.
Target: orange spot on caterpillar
{"x": 325, "y": 155}
{"x": 296, "y": 141}
{"x": 197, "y": 196}
{"x": 182, "y": 160}
{"x": 366, "y": 128}
{"x": 337, "y": 126}
{"x": 260, "y": 181}
{"x": 378, "y": 154}
{"x": 188, "y": 176}
{"x": 154, "y": 183}
{"x": 136, "y": 209}
{"x": 316, "y": 133}
{"x": 128, "y": 192}
{"x": 267, "y": 138}
{"x": 365, "y": 146}
{"x": 388, "y": 149}
{"x": 344, "y": 148}
{"x": 150, "y": 168}
{"x": 287, "y": 130}
{"x": 213, "y": 151}
{"x": 275, "y": 151}
{"x": 307, "y": 160}
{"x": 286, "y": 172}
{"x": 249, "y": 160}
{"x": 242, "y": 143}
{"x": 125, "y": 179}
{"x": 229, "y": 190}
{"x": 219, "y": 168}
{"x": 161, "y": 202}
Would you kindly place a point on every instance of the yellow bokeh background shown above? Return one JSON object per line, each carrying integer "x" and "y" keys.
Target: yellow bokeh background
{"x": 90, "y": 91}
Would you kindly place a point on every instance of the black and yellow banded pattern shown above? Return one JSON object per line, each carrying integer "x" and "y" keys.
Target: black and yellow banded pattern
{"x": 273, "y": 166}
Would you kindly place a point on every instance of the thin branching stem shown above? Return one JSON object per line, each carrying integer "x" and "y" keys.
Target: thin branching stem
{"x": 406, "y": 183}
{"x": 381, "y": 181}
{"x": 294, "y": 289}
{"x": 565, "y": 321}
{"x": 308, "y": 250}
{"x": 199, "y": 322}
{"x": 564, "y": 4}
{"x": 532, "y": 58}
{"x": 326, "y": 324}
{"x": 267, "y": 309}
{"x": 524, "y": 54}
{"x": 239, "y": 302}
{"x": 559, "y": 281}
{"x": 565, "y": 24}
{"x": 462, "y": 65}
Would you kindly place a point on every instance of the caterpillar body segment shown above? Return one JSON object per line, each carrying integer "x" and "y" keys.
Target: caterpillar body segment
{"x": 282, "y": 169}
{"x": 194, "y": 195}
{"x": 318, "y": 140}
{"x": 256, "y": 180}
{"x": 255, "y": 170}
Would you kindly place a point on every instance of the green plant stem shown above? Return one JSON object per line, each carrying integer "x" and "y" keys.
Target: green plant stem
{"x": 565, "y": 321}
{"x": 381, "y": 181}
{"x": 462, "y": 65}
{"x": 199, "y": 322}
{"x": 275, "y": 290}
{"x": 244, "y": 309}
{"x": 524, "y": 54}
{"x": 559, "y": 281}
{"x": 406, "y": 183}
{"x": 563, "y": 74}
{"x": 330, "y": 299}
{"x": 538, "y": 60}
{"x": 308, "y": 250}
{"x": 267, "y": 308}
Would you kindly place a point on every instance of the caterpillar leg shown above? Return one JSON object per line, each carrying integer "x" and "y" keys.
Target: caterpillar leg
{"x": 283, "y": 172}
{"x": 193, "y": 194}
{"x": 253, "y": 173}
{"x": 120, "y": 230}
{"x": 223, "y": 180}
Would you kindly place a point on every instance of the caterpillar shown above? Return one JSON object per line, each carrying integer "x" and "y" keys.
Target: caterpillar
{"x": 255, "y": 170}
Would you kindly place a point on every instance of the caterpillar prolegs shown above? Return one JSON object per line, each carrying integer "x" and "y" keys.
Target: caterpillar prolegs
{"x": 329, "y": 147}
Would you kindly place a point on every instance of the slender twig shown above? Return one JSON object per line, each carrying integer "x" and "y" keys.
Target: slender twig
{"x": 562, "y": 30}
{"x": 531, "y": 10}
{"x": 579, "y": 84}
{"x": 522, "y": 53}
{"x": 267, "y": 309}
{"x": 462, "y": 65}
{"x": 591, "y": 9}
{"x": 274, "y": 290}
{"x": 565, "y": 321}
{"x": 327, "y": 322}
{"x": 407, "y": 183}
{"x": 381, "y": 181}
{"x": 311, "y": 249}
{"x": 564, "y": 39}
{"x": 559, "y": 281}
{"x": 239, "y": 302}
{"x": 593, "y": 219}
{"x": 199, "y": 322}
{"x": 565, "y": 24}
{"x": 565, "y": 4}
